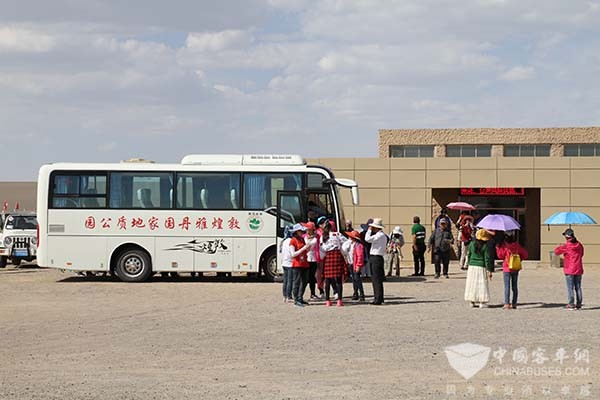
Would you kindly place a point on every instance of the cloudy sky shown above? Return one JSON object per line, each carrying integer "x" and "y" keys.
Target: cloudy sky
{"x": 101, "y": 80}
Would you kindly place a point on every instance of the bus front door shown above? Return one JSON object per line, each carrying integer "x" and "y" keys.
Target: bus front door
{"x": 290, "y": 211}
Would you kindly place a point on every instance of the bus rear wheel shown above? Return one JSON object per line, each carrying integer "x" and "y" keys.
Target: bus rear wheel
{"x": 269, "y": 266}
{"x": 133, "y": 266}
{"x": 3, "y": 261}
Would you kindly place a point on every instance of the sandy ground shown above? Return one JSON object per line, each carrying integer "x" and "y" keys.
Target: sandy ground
{"x": 67, "y": 337}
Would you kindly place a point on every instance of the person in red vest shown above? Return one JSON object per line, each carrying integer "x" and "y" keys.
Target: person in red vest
{"x": 300, "y": 267}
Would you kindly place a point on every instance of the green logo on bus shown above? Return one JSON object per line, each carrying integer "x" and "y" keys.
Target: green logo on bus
{"x": 254, "y": 223}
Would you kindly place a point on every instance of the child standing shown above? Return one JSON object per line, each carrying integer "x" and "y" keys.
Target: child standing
{"x": 573, "y": 268}
{"x": 334, "y": 264}
{"x": 286, "y": 262}
{"x": 505, "y": 251}
{"x": 356, "y": 257}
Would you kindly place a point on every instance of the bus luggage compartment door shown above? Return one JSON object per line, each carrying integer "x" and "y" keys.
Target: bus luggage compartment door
{"x": 213, "y": 254}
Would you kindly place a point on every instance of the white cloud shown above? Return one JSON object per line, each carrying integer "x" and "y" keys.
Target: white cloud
{"x": 25, "y": 40}
{"x": 518, "y": 73}
{"x": 217, "y": 41}
{"x": 202, "y": 77}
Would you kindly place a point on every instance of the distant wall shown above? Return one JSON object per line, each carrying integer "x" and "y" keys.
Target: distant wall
{"x": 557, "y": 137}
{"x": 24, "y": 193}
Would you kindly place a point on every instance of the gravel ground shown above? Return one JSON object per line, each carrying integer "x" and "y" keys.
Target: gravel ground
{"x": 68, "y": 337}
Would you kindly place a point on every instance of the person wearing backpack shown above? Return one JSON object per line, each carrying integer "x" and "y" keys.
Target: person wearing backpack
{"x": 512, "y": 253}
{"x": 394, "y": 249}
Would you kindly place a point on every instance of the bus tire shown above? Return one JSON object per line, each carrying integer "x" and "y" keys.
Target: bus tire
{"x": 133, "y": 265}
{"x": 269, "y": 265}
{"x": 3, "y": 261}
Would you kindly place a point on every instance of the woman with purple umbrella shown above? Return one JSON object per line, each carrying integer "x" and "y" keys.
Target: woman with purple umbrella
{"x": 496, "y": 225}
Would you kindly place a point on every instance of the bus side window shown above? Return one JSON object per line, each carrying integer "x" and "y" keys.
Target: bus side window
{"x": 208, "y": 190}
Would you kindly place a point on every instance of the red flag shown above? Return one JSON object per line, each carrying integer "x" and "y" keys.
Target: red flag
{"x": 17, "y": 206}
{"x": 5, "y": 207}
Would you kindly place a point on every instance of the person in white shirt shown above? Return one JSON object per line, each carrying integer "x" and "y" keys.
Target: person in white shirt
{"x": 313, "y": 256}
{"x": 378, "y": 240}
{"x": 286, "y": 262}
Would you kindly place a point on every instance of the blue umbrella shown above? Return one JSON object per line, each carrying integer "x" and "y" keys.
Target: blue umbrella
{"x": 569, "y": 218}
{"x": 499, "y": 222}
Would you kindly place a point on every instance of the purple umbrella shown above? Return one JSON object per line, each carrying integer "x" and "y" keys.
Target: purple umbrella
{"x": 499, "y": 222}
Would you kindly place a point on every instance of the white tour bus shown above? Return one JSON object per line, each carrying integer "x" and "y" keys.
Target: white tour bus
{"x": 211, "y": 213}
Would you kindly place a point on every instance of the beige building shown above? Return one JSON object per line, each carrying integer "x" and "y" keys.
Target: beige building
{"x": 527, "y": 173}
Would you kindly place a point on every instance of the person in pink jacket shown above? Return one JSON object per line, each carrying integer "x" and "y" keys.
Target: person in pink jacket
{"x": 511, "y": 277}
{"x": 572, "y": 251}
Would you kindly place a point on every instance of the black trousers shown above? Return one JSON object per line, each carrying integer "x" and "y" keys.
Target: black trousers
{"x": 419, "y": 259}
{"x": 300, "y": 282}
{"x": 377, "y": 276}
{"x": 491, "y": 247}
{"x": 439, "y": 258}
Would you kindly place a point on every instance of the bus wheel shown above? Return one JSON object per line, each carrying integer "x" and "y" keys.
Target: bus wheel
{"x": 3, "y": 260}
{"x": 269, "y": 266}
{"x": 133, "y": 266}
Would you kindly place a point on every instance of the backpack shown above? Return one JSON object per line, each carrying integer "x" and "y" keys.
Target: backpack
{"x": 466, "y": 233}
{"x": 514, "y": 262}
{"x": 401, "y": 240}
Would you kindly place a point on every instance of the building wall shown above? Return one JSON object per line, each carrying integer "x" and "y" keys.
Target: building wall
{"x": 396, "y": 189}
{"x": 494, "y": 136}
{"x": 22, "y": 192}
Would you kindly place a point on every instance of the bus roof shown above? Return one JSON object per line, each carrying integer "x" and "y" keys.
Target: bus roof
{"x": 243, "y": 159}
{"x": 202, "y": 162}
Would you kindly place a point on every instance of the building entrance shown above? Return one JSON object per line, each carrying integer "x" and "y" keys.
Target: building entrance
{"x": 523, "y": 204}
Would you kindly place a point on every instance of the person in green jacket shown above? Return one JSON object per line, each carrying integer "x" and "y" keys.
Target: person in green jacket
{"x": 476, "y": 288}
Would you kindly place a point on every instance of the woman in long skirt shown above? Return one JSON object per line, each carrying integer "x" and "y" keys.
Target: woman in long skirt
{"x": 477, "y": 289}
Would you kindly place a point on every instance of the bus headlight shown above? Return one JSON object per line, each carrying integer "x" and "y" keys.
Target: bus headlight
{"x": 7, "y": 241}
{"x": 33, "y": 241}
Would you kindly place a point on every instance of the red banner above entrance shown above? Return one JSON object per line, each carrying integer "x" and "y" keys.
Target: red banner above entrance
{"x": 492, "y": 191}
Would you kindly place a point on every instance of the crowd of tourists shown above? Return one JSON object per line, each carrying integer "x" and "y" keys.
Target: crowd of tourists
{"x": 318, "y": 257}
